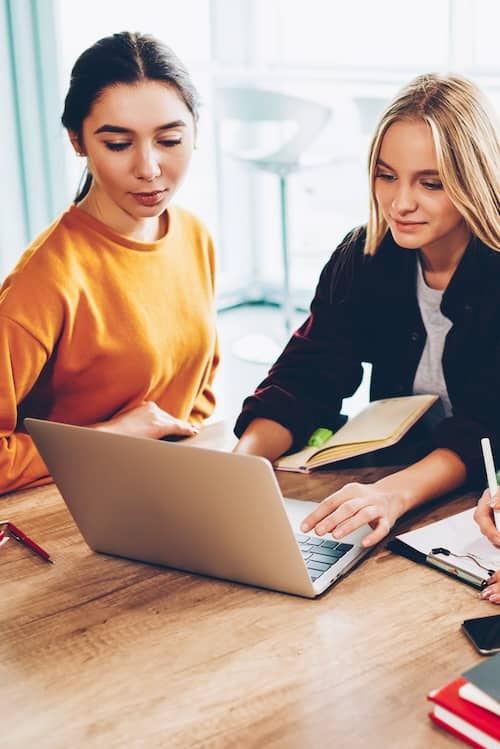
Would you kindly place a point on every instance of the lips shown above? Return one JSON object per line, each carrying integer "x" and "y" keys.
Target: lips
{"x": 149, "y": 198}
{"x": 406, "y": 226}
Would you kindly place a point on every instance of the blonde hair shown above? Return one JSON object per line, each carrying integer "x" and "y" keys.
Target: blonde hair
{"x": 465, "y": 135}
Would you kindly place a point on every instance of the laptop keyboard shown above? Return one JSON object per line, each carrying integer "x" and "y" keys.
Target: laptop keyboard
{"x": 320, "y": 553}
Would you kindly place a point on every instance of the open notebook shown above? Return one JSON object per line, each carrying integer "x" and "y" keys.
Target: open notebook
{"x": 381, "y": 424}
{"x": 453, "y": 545}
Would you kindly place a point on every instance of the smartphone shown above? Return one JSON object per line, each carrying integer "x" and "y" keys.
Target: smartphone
{"x": 484, "y": 633}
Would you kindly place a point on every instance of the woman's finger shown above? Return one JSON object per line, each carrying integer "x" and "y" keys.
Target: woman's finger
{"x": 381, "y": 530}
{"x": 175, "y": 426}
{"x": 329, "y": 505}
{"x": 483, "y": 516}
{"x": 338, "y": 517}
{"x": 492, "y": 593}
{"x": 370, "y": 514}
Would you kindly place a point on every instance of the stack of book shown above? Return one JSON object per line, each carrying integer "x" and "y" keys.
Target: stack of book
{"x": 469, "y": 707}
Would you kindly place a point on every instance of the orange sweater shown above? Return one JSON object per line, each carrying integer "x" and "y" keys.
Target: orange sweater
{"x": 92, "y": 323}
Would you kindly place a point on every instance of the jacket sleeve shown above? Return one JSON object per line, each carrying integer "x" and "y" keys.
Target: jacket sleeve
{"x": 321, "y": 363}
{"x": 473, "y": 418}
{"x": 22, "y": 358}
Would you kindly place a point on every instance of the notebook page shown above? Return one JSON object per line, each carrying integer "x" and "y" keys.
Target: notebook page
{"x": 459, "y": 534}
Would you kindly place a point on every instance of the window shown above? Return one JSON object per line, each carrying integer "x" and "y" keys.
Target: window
{"x": 351, "y": 56}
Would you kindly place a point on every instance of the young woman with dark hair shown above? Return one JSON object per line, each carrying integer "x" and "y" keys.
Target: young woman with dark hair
{"x": 108, "y": 318}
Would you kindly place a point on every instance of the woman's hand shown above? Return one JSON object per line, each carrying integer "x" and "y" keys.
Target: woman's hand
{"x": 353, "y": 506}
{"x": 492, "y": 591}
{"x": 483, "y": 515}
{"x": 147, "y": 420}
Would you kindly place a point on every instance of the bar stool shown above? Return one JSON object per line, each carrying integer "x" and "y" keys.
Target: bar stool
{"x": 300, "y": 121}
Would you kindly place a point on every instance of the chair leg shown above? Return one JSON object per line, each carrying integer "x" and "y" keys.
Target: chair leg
{"x": 286, "y": 300}
{"x": 260, "y": 348}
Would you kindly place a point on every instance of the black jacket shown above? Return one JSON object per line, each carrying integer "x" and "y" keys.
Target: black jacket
{"x": 365, "y": 310}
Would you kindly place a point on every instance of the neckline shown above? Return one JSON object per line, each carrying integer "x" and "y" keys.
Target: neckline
{"x": 82, "y": 217}
{"x": 434, "y": 293}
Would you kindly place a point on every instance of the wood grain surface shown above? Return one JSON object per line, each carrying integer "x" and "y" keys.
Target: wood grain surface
{"x": 99, "y": 652}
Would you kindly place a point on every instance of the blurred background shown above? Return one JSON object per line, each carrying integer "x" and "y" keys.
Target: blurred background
{"x": 350, "y": 57}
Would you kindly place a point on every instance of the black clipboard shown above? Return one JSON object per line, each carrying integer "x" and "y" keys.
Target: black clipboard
{"x": 449, "y": 567}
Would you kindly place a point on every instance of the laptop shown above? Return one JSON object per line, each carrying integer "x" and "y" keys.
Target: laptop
{"x": 190, "y": 508}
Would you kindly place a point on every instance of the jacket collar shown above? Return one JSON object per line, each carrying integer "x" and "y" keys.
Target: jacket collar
{"x": 475, "y": 269}
{"x": 468, "y": 282}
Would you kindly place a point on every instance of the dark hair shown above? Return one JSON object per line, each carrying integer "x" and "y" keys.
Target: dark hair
{"x": 121, "y": 58}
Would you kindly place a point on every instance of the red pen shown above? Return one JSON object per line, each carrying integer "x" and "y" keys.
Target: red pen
{"x": 17, "y": 533}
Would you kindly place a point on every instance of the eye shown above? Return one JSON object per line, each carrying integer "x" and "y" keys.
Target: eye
{"x": 433, "y": 185}
{"x": 385, "y": 176}
{"x": 170, "y": 142}
{"x": 113, "y": 146}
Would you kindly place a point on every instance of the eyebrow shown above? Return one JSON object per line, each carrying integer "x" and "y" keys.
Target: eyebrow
{"x": 423, "y": 172}
{"x": 126, "y": 130}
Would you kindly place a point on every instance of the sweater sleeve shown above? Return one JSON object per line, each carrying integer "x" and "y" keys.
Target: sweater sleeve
{"x": 22, "y": 358}
{"x": 321, "y": 364}
{"x": 205, "y": 401}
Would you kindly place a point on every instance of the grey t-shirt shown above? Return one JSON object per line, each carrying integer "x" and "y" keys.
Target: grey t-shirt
{"x": 429, "y": 377}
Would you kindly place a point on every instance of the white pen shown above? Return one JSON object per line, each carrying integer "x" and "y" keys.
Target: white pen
{"x": 491, "y": 476}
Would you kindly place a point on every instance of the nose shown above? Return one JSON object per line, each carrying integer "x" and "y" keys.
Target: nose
{"x": 404, "y": 200}
{"x": 147, "y": 166}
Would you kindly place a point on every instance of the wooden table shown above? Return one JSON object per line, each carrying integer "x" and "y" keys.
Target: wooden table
{"x": 103, "y": 652}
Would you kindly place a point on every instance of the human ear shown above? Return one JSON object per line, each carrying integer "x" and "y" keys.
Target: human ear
{"x": 75, "y": 142}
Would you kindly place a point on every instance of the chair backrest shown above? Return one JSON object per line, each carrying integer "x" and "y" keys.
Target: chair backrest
{"x": 300, "y": 120}
{"x": 369, "y": 109}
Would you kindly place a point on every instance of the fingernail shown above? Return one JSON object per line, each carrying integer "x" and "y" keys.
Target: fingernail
{"x": 486, "y": 593}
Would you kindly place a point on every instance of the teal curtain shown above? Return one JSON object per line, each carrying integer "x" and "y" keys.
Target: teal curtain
{"x": 33, "y": 133}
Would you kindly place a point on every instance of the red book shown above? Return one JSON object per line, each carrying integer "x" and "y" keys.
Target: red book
{"x": 473, "y": 724}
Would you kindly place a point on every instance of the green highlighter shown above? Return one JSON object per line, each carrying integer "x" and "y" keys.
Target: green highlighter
{"x": 319, "y": 437}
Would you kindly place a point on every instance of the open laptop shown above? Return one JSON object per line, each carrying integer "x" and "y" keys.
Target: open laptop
{"x": 191, "y": 508}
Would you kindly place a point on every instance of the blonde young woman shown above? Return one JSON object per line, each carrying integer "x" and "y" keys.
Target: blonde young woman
{"x": 416, "y": 293}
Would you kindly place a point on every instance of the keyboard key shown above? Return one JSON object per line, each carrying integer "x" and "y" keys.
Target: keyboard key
{"x": 306, "y": 547}
{"x": 344, "y": 547}
{"x": 325, "y": 558}
{"x": 334, "y": 553}
{"x": 318, "y": 566}
{"x": 329, "y": 544}
{"x": 302, "y": 537}
{"x": 314, "y": 540}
